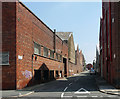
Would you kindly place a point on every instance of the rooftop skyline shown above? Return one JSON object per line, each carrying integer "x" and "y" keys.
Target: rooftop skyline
{"x": 81, "y": 18}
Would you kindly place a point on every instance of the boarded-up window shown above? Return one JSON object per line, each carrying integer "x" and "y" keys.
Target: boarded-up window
{"x": 4, "y": 58}
{"x": 37, "y": 49}
{"x": 45, "y": 52}
{"x": 51, "y": 54}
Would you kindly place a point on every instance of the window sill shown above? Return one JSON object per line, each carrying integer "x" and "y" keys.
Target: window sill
{"x": 48, "y": 57}
{"x": 4, "y": 64}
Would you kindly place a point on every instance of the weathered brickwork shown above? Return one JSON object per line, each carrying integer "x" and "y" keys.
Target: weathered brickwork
{"x": 21, "y": 28}
{"x": 78, "y": 66}
{"x": 9, "y": 44}
{"x": 110, "y": 43}
{"x": 22, "y": 31}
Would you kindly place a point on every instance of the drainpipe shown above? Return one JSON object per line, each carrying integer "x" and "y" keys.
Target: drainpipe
{"x": 32, "y": 63}
{"x": 110, "y": 31}
{"x": 54, "y": 40}
{"x": 110, "y": 41}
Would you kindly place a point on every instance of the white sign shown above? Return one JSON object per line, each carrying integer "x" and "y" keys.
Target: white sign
{"x": 20, "y": 57}
{"x": 114, "y": 56}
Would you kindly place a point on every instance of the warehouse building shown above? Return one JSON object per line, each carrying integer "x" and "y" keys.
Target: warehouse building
{"x": 75, "y": 57}
{"x": 31, "y": 52}
{"x": 110, "y": 43}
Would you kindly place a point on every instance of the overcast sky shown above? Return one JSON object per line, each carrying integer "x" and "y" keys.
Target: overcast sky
{"x": 81, "y": 18}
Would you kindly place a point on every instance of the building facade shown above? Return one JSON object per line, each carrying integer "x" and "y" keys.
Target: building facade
{"x": 75, "y": 57}
{"x": 31, "y": 52}
{"x": 97, "y": 60}
{"x": 77, "y": 67}
{"x": 110, "y": 43}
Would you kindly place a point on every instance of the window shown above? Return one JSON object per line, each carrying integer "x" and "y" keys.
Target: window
{"x": 51, "y": 54}
{"x": 37, "y": 49}
{"x": 45, "y": 52}
{"x": 60, "y": 57}
{"x": 56, "y": 56}
{"x": 4, "y": 58}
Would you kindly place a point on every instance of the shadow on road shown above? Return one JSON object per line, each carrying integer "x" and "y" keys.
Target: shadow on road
{"x": 84, "y": 80}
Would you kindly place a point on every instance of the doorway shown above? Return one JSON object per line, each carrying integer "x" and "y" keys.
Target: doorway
{"x": 65, "y": 66}
{"x": 46, "y": 74}
{"x": 37, "y": 76}
{"x": 51, "y": 74}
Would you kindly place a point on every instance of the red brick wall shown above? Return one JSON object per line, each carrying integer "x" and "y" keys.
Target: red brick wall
{"x": 30, "y": 29}
{"x": 21, "y": 28}
{"x": 112, "y": 59}
{"x": 65, "y": 50}
{"x": 116, "y": 44}
{"x": 0, "y": 42}
{"x": 9, "y": 44}
{"x": 58, "y": 45}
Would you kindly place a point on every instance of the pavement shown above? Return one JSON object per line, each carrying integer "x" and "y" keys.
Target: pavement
{"x": 15, "y": 93}
{"x": 105, "y": 87}
{"x": 25, "y": 91}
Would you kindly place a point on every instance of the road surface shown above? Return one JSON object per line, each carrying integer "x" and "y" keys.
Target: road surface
{"x": 81, "y": 86}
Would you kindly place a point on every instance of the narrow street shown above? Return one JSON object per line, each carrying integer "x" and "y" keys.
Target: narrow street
{"x": 83, "y": 85}
{"x": 60, "y": 49}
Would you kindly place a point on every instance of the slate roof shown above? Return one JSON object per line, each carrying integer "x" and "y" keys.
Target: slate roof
{"x": 64, "y": 35}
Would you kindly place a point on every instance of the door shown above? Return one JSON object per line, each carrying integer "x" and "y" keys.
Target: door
{"x": 65, "y": 66}
{"x": 37, "y": 76}
{"x": 51, "y": 74}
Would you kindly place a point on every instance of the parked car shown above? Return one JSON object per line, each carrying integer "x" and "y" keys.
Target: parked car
{"x": 92, "y": 71}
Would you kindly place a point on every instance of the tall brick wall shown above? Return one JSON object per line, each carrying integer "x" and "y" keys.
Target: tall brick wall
{"x": 0, "y": 42}
{"x": 29, "y": 30}
{"x": 21, "y": 28}
{"x": 110, "y": 42}
{"x": 65, "y": 49}
{"x": 116, "y": 43}
{"x": 58, "y": 45}
{"x": 9, "y": 44}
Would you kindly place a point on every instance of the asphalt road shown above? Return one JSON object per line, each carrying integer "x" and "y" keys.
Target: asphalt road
{"x": 81, "y": 86}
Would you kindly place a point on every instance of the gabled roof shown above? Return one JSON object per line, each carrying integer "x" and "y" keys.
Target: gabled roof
{"x": 64, "y": 35}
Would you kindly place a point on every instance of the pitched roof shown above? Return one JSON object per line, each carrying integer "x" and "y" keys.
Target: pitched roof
{"x": 64, "y": 35}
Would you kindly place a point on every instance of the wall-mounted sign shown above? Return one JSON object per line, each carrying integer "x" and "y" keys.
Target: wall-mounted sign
{"x": 20, "y": 57}
{"x": 114, "y": 56}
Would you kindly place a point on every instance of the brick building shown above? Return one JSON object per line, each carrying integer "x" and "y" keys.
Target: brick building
{"x": 110, "y": 43}
{"x": 68, "y": 38}
{"x": 31, "y": 52}
{"x": 75, "y": 57}
{"x": 82, "y": 60}
{"x": 96, "y": 67}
